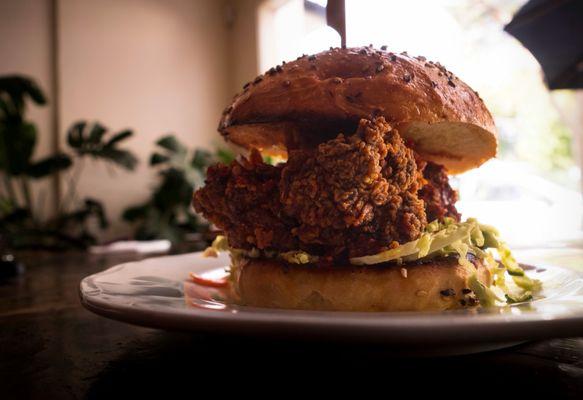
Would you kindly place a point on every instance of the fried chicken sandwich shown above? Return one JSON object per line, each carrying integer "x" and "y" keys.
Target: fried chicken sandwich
{"x": 360, "y": 214}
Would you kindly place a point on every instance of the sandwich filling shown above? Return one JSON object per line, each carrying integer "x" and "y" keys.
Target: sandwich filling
{"x": 363, "y": 199}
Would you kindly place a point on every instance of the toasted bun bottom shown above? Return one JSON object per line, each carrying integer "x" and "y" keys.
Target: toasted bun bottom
{"x": 435, "y": 285}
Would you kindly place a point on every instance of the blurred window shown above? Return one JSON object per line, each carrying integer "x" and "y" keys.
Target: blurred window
{"x": 536, "y": 175}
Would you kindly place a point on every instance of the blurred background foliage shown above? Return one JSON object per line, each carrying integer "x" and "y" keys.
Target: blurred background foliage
{"x": 168, "y": 213}
{"x": 74, "y": 224}
{"x": 529, "y": 116}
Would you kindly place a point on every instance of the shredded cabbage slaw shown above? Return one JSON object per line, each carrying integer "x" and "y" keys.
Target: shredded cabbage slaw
{"x": 448, "y": 237}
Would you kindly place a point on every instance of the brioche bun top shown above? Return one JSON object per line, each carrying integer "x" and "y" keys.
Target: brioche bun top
{"x": 312, "y": 99}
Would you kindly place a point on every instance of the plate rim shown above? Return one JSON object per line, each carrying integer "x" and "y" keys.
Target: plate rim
{"x": 450, "y": 327}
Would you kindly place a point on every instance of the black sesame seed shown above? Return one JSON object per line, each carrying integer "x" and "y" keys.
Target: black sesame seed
{"x": 450, "y": 83}
{"x": 245, "y": 86}
{"x": 462, "y": 302}
{"x": 433, "y": 84}
{"x": 362, "y": 51}
{"x": 337, "y": 80}
{"x": 384, "y": 47}
{"x": 407, "y": 78}
{"x": 271, "y": 71}
{"x": 312, "y": 57}
{"x": 393, "y": 57}
{"x": 258, "y": 79}
{"x": 447, "y": 292}
{"x": 279, "y": 68}
{"x": 466, "y": 291}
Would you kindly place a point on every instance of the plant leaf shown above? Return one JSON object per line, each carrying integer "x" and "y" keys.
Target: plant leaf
{"x": 15, "y": 89}
{"x": 132, "y": 214}
{"x": 225, "y": 156}
{"x": 96, "y": 133}
{"x": 118, "y": 137}
{"x": 16, "y": 147}
{"x": 75, "y": 134}
{"x": 49, "y": 165}
{"x": 123, "y": 158}
{"x": 172, "y": 144}
{"x": 158, "y": 158}
{"x": 201, "y": 159}
{"x": 95, "y": 208}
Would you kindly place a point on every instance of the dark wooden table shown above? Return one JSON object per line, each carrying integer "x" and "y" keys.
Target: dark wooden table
{"x": 52, "y": 348}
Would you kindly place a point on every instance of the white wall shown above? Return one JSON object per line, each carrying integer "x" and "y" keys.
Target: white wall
{"x": 154, "y": 66}
{"x": 25, "y": 48}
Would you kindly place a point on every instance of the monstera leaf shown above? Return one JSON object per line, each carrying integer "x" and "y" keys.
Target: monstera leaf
{"x": 168, "y": 213}
{"x": 14, "y": 90}
{"x": 96, "y": 141}
{"x": 17, "y": 142}
{"x": 49, "y": 166}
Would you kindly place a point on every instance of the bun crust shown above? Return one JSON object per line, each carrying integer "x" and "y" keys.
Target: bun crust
{"x": 436, "y": 285}
{"x": 307, "y": 101}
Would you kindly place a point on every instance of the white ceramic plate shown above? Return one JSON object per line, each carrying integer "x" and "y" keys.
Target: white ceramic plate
{"x": 152, "y": 293}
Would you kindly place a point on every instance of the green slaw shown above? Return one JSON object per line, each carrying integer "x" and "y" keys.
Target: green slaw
{"x": 440, "y": 238}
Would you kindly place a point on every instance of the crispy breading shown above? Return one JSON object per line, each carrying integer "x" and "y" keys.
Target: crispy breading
{"x": 242, "y": 200}
{"x": 360, "y": 186}
{"x": 350, "y": 196}
{"x": 437, "y": 193}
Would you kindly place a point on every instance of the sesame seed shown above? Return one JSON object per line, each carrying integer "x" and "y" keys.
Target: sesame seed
{"x": 404, "y": 272}
{"x": 312, "y": 57}
{"x": 337, "y": 80}
{"x": 407, "y": 78}
{"x": 450, "y": 83}
{"x": 433, "y": 84}
{"x": 466, "y": 291}
{"x": 421, "y": 293}
{"x": 258, "y": 79}
{"x": 380, "y": 67}
{"x": 447, "y": 292}
{"x": 384, "y": 47}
